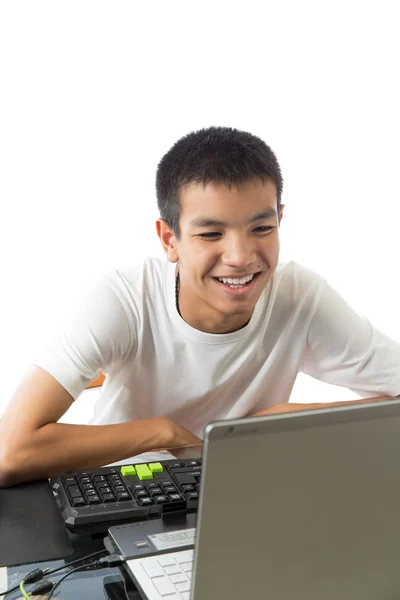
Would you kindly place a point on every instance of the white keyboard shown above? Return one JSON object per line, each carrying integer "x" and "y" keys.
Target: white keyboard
{"x": 164, "y": 577}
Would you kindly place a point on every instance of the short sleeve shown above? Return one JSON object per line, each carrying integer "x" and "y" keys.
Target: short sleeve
{"x": 343, "y": 348}
{"x": 99, "y": 333}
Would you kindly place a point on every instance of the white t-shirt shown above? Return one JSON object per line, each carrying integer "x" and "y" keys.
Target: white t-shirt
{"x": 158, "y": 365}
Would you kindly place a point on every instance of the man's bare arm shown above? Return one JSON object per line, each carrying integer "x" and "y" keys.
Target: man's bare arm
{"x": 34, "y": 446}
{"x": 289, "y": 407}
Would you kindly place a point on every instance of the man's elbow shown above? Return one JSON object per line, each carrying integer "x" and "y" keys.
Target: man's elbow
{"x": 8, "y": 477}
{"x": 11, "y": 472}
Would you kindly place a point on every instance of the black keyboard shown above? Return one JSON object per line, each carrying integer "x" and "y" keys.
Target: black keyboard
{"x": 93, "y": 500}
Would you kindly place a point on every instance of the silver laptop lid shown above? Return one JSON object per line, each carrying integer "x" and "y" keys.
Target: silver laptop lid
{"x": 303, "y": 505}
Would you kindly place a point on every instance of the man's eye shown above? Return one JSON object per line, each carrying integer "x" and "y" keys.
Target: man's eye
{"x": 263, "y": 229}
{"x": 212, "y": 235}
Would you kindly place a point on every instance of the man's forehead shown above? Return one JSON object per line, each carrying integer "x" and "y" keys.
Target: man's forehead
{"x": 212, "y": 188}
{"x": 212, "y": 204}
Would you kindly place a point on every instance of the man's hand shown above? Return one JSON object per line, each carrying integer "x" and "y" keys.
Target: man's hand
{"x": 180, "y": 437}
{"x": 289, "y": 407}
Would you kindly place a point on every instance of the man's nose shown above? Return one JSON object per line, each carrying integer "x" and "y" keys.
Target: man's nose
{"x": 239, "y": 251}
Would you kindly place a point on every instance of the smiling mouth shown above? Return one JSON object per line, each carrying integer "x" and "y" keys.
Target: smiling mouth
{"x": 236, "y": 283}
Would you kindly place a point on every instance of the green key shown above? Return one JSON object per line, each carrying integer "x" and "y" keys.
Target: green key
{"x": 143, "y": 472}
{"x": 156, "y": 467}
{"x": 128, "y": 470}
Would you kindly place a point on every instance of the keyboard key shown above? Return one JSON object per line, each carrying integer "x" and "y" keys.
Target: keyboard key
{"x": 156, "y": 467}
{"x": 186, "y": 596}
{"x": 78, "y": 501}
{"x": 140, "y": 494}
{"x": 169, "y": 490}
{"x": 187, "y": 567}
{"x": 128, "y": 470}
{"x": 187, "y": 488}
{"x": 186, "y": 556}
{"x": 179, "y": 578}
{"x": 192, "y": 496}
{"x": 70, "y": 480}
{"x": 73, "y": 491}
{"x": 145, "y": 502}
{"x": 164, "y": 586}
{"x": 160, "y": 499}
{"x": 121, "y": 496}
{"x": 166, "y": 560}
{"x": 184, "y": 479}
{"x": 155, "y": 492}
{"x": 174, "y": 497}
{"x": 93, "y": 500}
{"x": 183, "y": 587}
{"x": 143, "y": 472}
{"x": 118, "y": 488}
{"x": 153, "y": 571}
{"x": 99, "y": 479}
{"x": 87, "y": 486}
{"x": 107, "y": 497}
{"x": 172, "y": 570}
{"x": 104, "y": 489}
{"x": 149, "y": 562}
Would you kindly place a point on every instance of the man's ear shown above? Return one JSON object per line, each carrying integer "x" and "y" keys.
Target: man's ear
{"x": 282, "y": 208}
{"x": 168, "y": 240}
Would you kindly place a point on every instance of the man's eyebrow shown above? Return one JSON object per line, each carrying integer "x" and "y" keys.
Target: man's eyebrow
{"x": 204, "y": 222}
{"x": 265, "y": 214}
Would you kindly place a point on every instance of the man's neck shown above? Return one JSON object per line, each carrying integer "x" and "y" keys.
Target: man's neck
{"x": 204, "y": 317}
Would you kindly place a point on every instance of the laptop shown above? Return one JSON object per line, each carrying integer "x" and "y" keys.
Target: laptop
{"x": 303, "y": 505}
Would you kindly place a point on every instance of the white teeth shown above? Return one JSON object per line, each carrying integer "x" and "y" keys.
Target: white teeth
{"x": 235, "y": 281}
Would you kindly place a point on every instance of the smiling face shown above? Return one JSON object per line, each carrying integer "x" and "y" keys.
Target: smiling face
{"x": 228, "y": 251}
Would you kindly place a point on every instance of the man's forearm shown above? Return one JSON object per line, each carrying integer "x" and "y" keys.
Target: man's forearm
{"x": 58, "y": 447}
{"x": 289, "y": 407}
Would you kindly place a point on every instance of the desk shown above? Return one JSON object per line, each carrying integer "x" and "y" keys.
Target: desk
{"x": 88, "y": 585}
{"x": 107, "y": 584}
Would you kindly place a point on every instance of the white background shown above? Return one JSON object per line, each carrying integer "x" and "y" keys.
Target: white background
{"x": 93, "y": 93}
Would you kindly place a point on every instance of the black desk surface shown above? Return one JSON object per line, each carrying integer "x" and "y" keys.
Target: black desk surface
{"x": 107, "y": 584}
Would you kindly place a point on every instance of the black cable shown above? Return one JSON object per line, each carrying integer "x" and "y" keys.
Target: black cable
{"x": 125, "y": 588}
{"x": 113, "y": 560}
{"x": 78, "y": 560}
{"x": 55, "y": 586}
{"x": 37, "y": 574}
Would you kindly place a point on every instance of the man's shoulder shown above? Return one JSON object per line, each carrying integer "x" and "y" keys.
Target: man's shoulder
{"x": 150, "y": 270}
{"x": 295, "y": 284}
{"x": 294, "y": 272}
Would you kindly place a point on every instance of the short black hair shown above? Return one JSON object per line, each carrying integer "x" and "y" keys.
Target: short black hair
{"x": 215, "y": 154}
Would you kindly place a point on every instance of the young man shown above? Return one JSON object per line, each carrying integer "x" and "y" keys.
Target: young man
{"x": 219, "y": 330}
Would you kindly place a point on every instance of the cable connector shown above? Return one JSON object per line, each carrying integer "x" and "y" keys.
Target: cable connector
{"x": 42, "y": 588}
{"x": 113, "y": 560}
{"x": 35, "y": 576}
